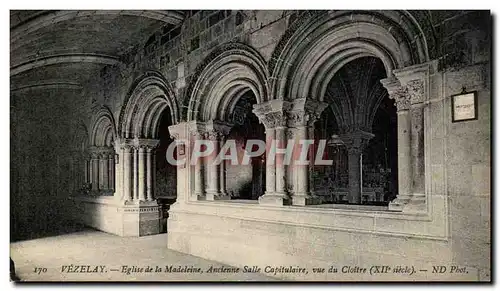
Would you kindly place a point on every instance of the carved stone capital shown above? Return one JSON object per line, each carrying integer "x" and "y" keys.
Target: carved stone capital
{"x": 356, "y": 141}
{"x": 305, "y": 112}
{"x": 416, "y": 91}
{"x": 397, "y": 92}
{"x": 272, "y": 113}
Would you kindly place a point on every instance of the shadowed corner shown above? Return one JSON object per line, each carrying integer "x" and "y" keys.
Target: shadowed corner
{"x": 13, "y": 277}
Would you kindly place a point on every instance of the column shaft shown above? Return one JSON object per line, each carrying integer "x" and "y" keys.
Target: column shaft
{"x": 302, "y": 186}
{"x": 135, "y": 184}
{"x": 404, "y": 153}
{"x": 222, "y": 174}
{"x": 127, "y": 174}
{"x": 149, "y": 173}
{"x": 270, "y": 168}
{"x": 95, "y": 173}
{"x": 111, "y": 172}
{"x": 280, "y": 165}
{"x": 141, "y": 183}
{"x": 199, "y": 176}
{"x": 213, "y": 172}
{"x": 354, "y": 196}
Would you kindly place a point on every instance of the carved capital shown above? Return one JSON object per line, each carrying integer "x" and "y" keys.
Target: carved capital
{"x": 356, "y": 141}
{"x": 416, "y": 91}
{"x": 397, "y": 92}
{"x": 272, "y": 113}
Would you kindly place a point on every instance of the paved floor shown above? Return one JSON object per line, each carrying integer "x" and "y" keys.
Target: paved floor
{"x": 49, "y": 259}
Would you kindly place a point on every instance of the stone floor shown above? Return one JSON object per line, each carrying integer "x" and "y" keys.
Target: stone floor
{"x": 91, "y": 247}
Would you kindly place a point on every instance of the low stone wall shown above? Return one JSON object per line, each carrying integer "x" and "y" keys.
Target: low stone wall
{"x": 110, "y": 215}
{"x": 346, "y": 240}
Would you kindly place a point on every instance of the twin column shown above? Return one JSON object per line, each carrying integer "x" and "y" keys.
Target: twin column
{"x": 409, "y": 98}
{"x": 288, "y": 184}
{"x": 210, "y": 177}
{"x": 101, "y": 171}
{"x": 138, "y": 158}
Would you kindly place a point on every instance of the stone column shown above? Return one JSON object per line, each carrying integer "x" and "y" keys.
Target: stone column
{"x": 127, "y": 173}
{"x": 141, "y": 173}
{"x": 355, "y": 142}
{"x": 111, "y": 171}
{"x": 302, "y": 118}
{"x": 222, "y": 168}
{"x": 270, "y": 166}
{"x": 150, "y": 172}
{"x": 199, "y": 180}
{"x": 95, "y": 171}
{"x": 87, "y": 170}
{"x": 416, "y": 95}
{"x": 145, "y": 166}
{"x": 272, "y": 115}
{"x": 214, "y": 131}
{"x": 135, "y": 172}
{"x": 104, "y": 173}
{"x": 281, "y": 143}
{"x": 213, "y": 170}
{"x": 400, "y": 95}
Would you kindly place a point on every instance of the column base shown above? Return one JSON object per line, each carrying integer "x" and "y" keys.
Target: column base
{"x": 275, "y": 199}
{"x": 408, "y": 203}
{"x": 141, "y": 219}
{"x": 212, "y": 196}
{"x": 302, "y": 199}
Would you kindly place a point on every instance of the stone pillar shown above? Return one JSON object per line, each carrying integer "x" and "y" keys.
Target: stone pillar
{"x": 301, "y": 119}
{"x": 104, "y": 173}
{"x": 400, "y": 95}
{"x": 87, "y": 171}
{"x": 141, "y": 173}
{"x": 146, "y": 169}
{"x": 95, "y": 171}
{"x": 355, "y": 142}
{"x": 150, "y": 172}
{"x": 111, "y": 171}
{"x": 127, "y": 173}
{"x": 213, "y": 169}
{"x": 214, "y": 131}
{"x": 135, "y": 173}
{"x": 199, "y": 181}
{"x": 222, "y": 169}
{"x": 416, "y": 95}
{"x": 273, "y": 115}
{"x": 281, "y": 143}
{"x": 270, "y": 166}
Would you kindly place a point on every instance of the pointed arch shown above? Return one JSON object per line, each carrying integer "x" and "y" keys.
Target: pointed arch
{"x": 149, "y": 95}
{"x": 230, "y": 71}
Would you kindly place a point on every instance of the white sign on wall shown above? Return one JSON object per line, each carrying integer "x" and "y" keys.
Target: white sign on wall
{"x": 464, "y": 107}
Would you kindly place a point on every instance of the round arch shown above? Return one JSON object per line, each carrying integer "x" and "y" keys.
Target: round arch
{"x": 103, "y": 130}
{"x": 318, "y": 44}
{"x": 145, "y": 102}
{"x": 230, "y": 71}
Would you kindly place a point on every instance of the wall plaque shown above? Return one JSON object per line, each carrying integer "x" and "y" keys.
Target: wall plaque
{"x": 464, "y": 106}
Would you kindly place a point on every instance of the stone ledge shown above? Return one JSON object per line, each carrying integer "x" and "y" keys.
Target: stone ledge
{"x": 111, "y": 200}
{"x": 429, "y": 226}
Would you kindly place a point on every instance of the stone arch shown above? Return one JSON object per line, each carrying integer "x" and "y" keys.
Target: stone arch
{"x": 148, "y": 97}
{"x": 230, "y": 71}
{"x": 103, "y": 130}
{"x": 320, "y": 43}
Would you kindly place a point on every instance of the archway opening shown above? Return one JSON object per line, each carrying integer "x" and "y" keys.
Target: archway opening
{"x": 360, "y": 126}
{"x": 165, "y": 173}
{"x": 245, "y": 181}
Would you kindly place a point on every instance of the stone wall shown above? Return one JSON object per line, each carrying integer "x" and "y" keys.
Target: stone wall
{"x": 45, "y": 133}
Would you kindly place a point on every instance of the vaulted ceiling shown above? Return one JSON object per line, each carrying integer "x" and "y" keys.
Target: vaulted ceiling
{"x": 65, "y": 47}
